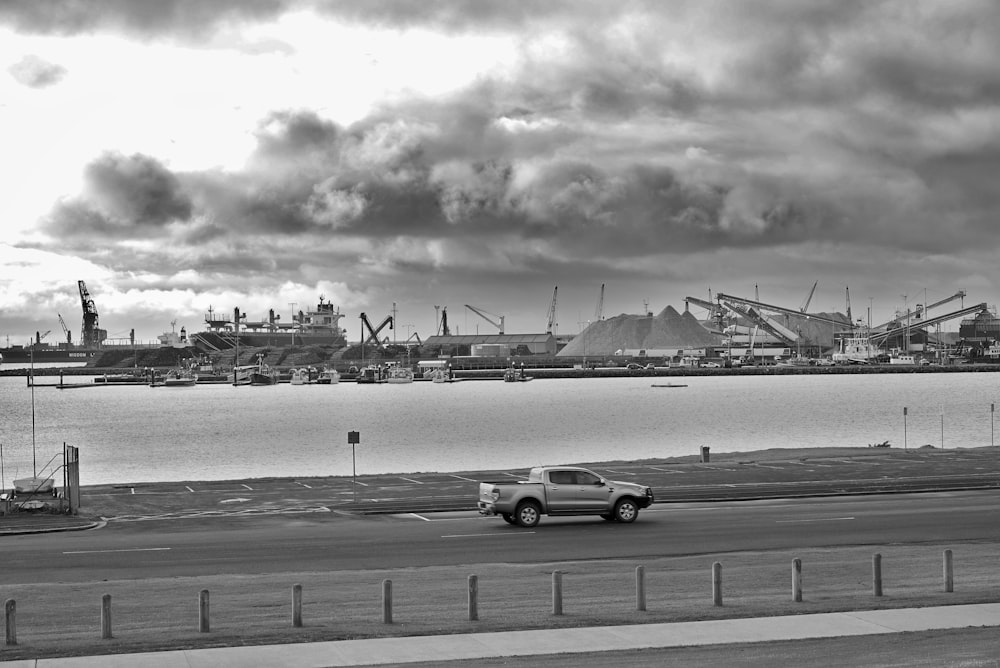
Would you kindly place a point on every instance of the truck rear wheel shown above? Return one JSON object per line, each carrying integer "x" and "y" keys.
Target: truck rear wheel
{"x": 626, "y": 510}
{"x": 528, "y": 513}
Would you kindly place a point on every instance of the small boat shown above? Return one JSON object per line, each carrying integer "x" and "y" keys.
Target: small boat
{"x": 369, "y": 375}
{"x": 398, "y": 375}
{"x": 441, "y": 375}
{"x": 299, "y": 377}
{"x": 515, "y": 375}
{"x": 254, "y": 374}
{"x": 179, "y": 378}
{"x": 328, "y": 377}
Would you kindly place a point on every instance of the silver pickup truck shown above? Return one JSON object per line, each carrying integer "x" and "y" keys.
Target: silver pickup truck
{"x": 562, "y": 490}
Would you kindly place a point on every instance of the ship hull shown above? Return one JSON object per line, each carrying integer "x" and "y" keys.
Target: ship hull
{"x": 21, "y": 355}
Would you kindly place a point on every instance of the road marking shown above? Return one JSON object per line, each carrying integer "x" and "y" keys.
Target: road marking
{"x": 300, "y": 483}
{"x": 823, "y": 519}
{"x": 479, "y": 535}
{"x": 614, "y": 472}
{"x": 513, "y": 475}
{"x": 356, "y": 482}
{"x": 247, "y": 486}
{"x": 189, "y": 489}
{"x": 656, "y": 468}
{"x": 461, "y": 478}
{"x": 411, "y": 480}
{"x": 134, "y": 549}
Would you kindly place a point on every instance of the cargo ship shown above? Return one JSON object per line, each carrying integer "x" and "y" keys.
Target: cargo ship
{"x": 320, "y": 326}
{"x": 45, "y": 353}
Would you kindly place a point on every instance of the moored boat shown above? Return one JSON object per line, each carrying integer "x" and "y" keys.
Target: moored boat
{"x": 328, "y": 377}
{"x": 179, "y": 378}
{"x": 398, "y": 375}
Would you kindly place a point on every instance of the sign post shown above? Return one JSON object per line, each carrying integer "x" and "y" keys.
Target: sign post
{"x": 904, "y": 427}
{"x": 353, "y": 438}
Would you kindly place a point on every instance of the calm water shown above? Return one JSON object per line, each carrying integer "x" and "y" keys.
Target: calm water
{"x": 212, "y": 432}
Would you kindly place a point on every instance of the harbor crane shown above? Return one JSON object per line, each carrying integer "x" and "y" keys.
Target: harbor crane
{"x": 373, "y": 332}
{"x": 599, "y": 311}
{"x": 805, "y": 305}
{"x": 552, "y": 324}
{"x": 486, "y": 315}
{"x": 91, "y": 335}
{"x": 65, "y": 329}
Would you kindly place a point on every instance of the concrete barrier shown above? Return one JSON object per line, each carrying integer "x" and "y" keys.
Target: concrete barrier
{"x": 797, "y": 580}
{"x": 203, "y": 611}
{"x": 10, "y": 621}
{"x": 387, "y": 601}
{"x": 297, "y": 606}
{"x": 640, "y": 588}
{"x": 106, "y": 617}
{"x": 717, "y": 584}
{"x": 473, "y": 598}
{"x": 876, "y": 574}
{"x": 949, "y": 574}
{"x": 557, "y": 593}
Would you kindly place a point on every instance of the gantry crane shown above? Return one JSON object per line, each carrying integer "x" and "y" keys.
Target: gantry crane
{"x": 485, "y": 315}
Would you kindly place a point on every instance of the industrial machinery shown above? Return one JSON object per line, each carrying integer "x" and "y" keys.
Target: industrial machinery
{"x": 485, "y": 315}
{"x": 91, "y": 335}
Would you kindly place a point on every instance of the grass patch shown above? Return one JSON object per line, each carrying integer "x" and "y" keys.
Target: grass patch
{"x": 60, "y": 619}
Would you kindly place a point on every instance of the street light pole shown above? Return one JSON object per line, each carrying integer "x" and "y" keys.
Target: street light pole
{"x": 353, "y": 438}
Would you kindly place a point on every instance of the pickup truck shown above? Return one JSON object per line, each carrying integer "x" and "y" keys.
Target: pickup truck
{"x": 562, "y": 490}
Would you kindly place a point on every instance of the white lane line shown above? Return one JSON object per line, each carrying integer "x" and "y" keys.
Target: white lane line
{"x": 357, "y": 482}
{"x": 657, "y": 468}
{"x": 614, "y": 472}
{"x": 411, "y": 480}
{"x": 461, "y": 478}
{"x": 189, "y": 489}
{"x": 480, "y": 535}
{"x": 300, "y": 483}
{"x": 134, "y": 549}
{"x": 247, "y": 486}
{"x": 823, "y": 519}
{"x": 512, "y": 475}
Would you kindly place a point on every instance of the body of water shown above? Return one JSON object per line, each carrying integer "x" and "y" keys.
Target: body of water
{"x": 213, "y": 432}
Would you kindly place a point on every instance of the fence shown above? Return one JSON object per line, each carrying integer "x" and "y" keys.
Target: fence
{"x": 201, "y": 612}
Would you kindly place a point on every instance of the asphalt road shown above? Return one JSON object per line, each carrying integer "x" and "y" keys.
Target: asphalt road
{"x": 322, "y": 540}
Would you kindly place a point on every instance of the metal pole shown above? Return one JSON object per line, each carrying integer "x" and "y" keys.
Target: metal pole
{"x": 992, "y": 410}
{"x": 354, "y": 473}
{"x": 34, "y": 465}
{"x": 904, "y": 427}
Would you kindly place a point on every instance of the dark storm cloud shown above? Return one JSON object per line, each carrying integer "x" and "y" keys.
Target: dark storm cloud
{"x": 123, "y": 196}
{"x": 36, "y": 72}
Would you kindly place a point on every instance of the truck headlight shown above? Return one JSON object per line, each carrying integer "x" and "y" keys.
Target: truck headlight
{"x": 495, "y": 494}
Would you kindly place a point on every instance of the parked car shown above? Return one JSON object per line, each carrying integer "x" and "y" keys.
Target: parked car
{"x": 632, "y": 366}
{"x": 711, "y": 365}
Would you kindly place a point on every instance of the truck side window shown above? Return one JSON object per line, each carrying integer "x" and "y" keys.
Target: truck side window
{"x": 584, "y": 478}
{"x": 561, "y": 477}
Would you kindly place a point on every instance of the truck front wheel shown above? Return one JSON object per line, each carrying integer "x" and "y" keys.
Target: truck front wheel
{"x": 528, "y": 513}
{"x": 626, "y": 510}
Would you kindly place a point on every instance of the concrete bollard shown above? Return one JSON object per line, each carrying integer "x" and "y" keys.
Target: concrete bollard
{"x": 297, "y": 606}
{"x": 949, "y": 573}
{"x": 10, "y": 621}
{"x": 640, "y": 588}
{"x": 473, "y": 598}
{"x": 717, "y": 584}
{"x": 557, "y": 593}
{"x": 387, "y": 601}
{"x": 705, "y": 456}
{"x": 203, "y": 610}
{"x": 106, "y": 617}
{"x": 877, "y": 574}
{"x": 797, "y": 580}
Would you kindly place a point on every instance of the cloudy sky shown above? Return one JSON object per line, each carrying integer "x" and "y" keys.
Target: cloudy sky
{"x": 182, "y": 154}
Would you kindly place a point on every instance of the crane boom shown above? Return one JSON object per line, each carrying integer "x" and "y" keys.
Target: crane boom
{"x": 780, "y": 309}
{"x": 599, "y": 311}
{"x": 91, "y": 334}
{"x": 485, "y": 315}
{"x": 805, "y": 304}
{"x": 882, "y": 336}
{"x": 373, "y": 332}
{"x": 65, "y": 329}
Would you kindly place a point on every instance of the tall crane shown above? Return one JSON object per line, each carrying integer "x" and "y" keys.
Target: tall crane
{"x": 91, "y": 334}
{"x": 599, "y": 311}
{"x": 805, "y": 305}
{"x": 552, "y": 324}
{"x": 485, "y": 315}
{"x": 66, "y": 332}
